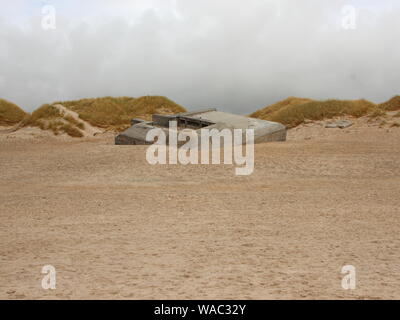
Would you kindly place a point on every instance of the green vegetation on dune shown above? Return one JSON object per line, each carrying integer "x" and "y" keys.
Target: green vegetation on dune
{"x": 10, "y": 114}
{"x": 114, "y": 113}
{"x": 294, "y": 114}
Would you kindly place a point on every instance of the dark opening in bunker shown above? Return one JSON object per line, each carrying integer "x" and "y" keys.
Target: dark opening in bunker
{"x": 191, "y": 123}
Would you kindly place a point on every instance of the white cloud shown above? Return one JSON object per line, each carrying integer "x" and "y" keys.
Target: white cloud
{"x": 230, "y": 54}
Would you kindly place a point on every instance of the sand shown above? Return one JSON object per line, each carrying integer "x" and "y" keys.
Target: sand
{"x": 88, "y": 130}
{"x": 115, "y": 227}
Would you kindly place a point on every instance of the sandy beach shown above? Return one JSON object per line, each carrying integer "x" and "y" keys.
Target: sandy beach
{"x": 115, "y": 227}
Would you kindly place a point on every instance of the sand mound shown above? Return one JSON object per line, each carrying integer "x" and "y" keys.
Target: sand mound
{"x": 72, "y": 117}
{"x": 391, "y": 105}
{"x": 10, "y": 114}
{"x": 295, "y": 111}
{"x": 87, "y": 117}
{"x": 291, "y": 101}
{"x": 54, "y": 118}
{"x": 116, "y": 113}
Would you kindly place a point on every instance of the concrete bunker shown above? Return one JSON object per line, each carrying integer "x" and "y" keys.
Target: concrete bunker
{"x": 264, "y": 131}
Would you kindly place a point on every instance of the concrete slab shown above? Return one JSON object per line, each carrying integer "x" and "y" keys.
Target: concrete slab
{"x": 264, "y": 131}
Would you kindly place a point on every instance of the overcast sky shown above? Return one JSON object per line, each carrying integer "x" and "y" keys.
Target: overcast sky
{"x": 231, "y": 54}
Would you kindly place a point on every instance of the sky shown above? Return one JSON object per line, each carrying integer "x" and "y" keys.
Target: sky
{"x": 234, "y": 55}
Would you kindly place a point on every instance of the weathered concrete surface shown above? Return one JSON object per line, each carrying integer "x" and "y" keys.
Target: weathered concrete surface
{"x": 264, "y": 131}
{"x": 135, "y": 135}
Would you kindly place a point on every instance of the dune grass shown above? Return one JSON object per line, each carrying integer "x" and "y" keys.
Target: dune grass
{"x": 289, "y": 102}
{"x": 391, "y": 105}
{"x": 48, "y": 117}
{"x": 377, "y": 113}
{"x": 44, "y": 112}
{"x": 71, "y": 130}
{"x": 75, "y": 122}
{"x": 110, "y": 112}
{"x": 295, "y": 113}
{"x": 115, "y": 113}
{"x": 10, "y": 113}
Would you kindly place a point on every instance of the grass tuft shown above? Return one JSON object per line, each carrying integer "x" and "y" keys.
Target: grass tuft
{"x": 111, "y": 113}
{"x": 108, "y": 112}
{"x": 289, "y": 102}
{"x": 377, "y": 114}
{"x": 48, "y": 117}
{"x": 45, "y": 112}
{"x": 294, "y": 114}
{"x": 75, "y": 122}
{"x": 391, "y": 105}
{"x": 71, "y": 130}
{"x": 10, "y": 114}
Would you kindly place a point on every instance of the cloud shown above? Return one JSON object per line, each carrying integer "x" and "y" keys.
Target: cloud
{"x": 229, "y": 54}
